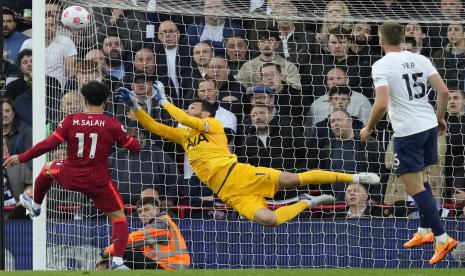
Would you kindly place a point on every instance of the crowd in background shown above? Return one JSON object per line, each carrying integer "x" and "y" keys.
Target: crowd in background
{"x": 292, "y": 95}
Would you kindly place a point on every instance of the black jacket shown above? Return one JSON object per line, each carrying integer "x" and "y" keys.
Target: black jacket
{"x": 286, "y": 148}
{"x": 151, "y": 168}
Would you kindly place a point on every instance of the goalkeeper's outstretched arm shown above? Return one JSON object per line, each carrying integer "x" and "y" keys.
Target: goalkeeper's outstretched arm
{"x": 178, "y": 114}
{"x": 164, "y": 131}
{"x": 170, "y": 133}
{"x": 182, "y": 117}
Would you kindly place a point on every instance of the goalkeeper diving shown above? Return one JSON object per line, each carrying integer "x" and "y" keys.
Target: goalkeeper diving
{"x": 241, "y": 186}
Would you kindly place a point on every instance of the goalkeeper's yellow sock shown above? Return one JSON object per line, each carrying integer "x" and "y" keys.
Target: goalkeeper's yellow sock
{"x": 286, "y": 213}
{"x": 323, "y": 177}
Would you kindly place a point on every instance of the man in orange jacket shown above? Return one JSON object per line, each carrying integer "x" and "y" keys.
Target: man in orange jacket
{"x": 158, "y": 245}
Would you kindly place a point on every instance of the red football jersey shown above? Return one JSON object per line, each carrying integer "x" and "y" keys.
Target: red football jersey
{"x": 89, "y": 138}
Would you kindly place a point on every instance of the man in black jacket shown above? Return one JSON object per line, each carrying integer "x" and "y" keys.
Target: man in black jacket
{"x": 345, "y": 152}
{"x": 272, "y": 142}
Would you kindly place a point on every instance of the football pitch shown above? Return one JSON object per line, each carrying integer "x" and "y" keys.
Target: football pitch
{"x": 251, "y": 272}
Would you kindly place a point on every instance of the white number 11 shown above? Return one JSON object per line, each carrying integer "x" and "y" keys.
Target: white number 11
{"x": 93, "y": 146}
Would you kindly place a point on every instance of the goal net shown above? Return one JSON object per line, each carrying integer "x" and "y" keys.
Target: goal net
{"x": 289, "y": 77}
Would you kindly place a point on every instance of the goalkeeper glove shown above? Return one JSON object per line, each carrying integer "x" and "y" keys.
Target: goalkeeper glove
{"x": 159, "y": 92}
{"x": 128, "y": 97}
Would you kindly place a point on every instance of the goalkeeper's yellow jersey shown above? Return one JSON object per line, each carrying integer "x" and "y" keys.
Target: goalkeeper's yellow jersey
{"x": 204, "y": 142}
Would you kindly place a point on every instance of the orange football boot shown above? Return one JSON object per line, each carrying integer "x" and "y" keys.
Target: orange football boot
{"x": 441, "y": 250}
{"x": 419, "y": 240}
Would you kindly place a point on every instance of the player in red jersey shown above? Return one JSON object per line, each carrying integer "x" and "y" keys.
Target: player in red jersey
{"x": 90, "y": 137}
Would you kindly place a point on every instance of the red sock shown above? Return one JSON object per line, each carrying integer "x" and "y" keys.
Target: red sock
{"x": 120, "y": 236}
{"x": 42, "y": 184}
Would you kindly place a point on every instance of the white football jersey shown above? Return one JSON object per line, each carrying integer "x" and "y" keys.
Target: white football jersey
{"x": 406, "y": 74}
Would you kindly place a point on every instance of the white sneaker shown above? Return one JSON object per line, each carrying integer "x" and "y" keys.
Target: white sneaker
{"x": 317, "y": 200}
{"x": 26, "y": 202}
{"x": 366, "y": 178}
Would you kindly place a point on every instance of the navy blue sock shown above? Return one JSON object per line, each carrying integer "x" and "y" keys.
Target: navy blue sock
{"x": 429, "y": 213}
{"x": 423, "y": 223}
{"x": 428, "y": 188}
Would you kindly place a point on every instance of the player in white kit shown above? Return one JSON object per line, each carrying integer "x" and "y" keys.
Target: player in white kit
{"x": 401, "y": 81}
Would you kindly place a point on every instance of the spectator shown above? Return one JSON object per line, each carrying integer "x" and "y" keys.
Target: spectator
{"x": 71, "y": 103}
{"x": 24, "y": 21}
{"x": 16, "y": 178}
{"x": 334, "y": 18}
{"x": 339, "y": 99}
{"x": 230, "y": 91}
{"x": 297, "y": 45}
{"x": 24, "y": 82}
{"x": 60, "y": 52}
{"x": 16, "y": 134}
{"x": 172, "y": 61}
{"x": 359, "y": 106}
{"x": 114, "y": 50}
{"x": 450, "y": 10}
{"x": 151, "y": 168}
{"x": 202, "y": 53}
{"x": 272, "y": 142}
{"x": 345, "y": 152}
{"x": 145, "y": 61}
{"x": 13, "y": 40}
{"x": 358, "y": 68}
{"x": 98, "y": 56}
{"x": 130, "y": 25}
{"x": 358, "y": 203}
{"x": 268, "y": 43}
{"x": 418, "y": 32}
{"x": 263, "y": 94}
{"x": 455, "y": 154}
{"x": 86, "y": 71}
{"x": 158, "y": 245}
{"x": 213, "y": 29}
{"x": 237, "y": 53}
{"x": 289, "y": 99}
{"x": 450, "y": 60}
{"x": 362, "y": 36}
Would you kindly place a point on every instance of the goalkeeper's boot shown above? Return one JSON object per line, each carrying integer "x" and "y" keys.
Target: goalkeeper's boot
{"x": 441, "y": 250}
{"x": 366, "y": 178}
{"x": 115, "y": 266}
{"x": 27, "y": 203}
{"x": 317, "y": 200}
{"x": 419, "y": 240}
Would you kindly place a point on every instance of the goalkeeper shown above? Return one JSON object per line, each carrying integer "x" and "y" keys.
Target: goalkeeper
{"x": 241, "y": 186}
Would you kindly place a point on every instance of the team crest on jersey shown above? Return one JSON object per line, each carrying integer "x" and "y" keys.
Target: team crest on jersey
{"x": 197, "y": 140}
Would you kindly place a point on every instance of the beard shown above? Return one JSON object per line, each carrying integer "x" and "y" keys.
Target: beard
{"x": 360, "y": 40}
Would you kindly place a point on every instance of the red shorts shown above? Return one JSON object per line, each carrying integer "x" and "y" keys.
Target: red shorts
{"x": 104, "y": 195}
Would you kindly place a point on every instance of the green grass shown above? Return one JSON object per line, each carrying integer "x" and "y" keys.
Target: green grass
{"x": 255, "y": 272}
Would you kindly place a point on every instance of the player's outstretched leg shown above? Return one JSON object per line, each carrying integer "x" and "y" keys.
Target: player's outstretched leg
{"x": 317, "y": 177}
{"x": 284, "y": 214}
{"x": 119, "y": 237}
{"x": 42, "y": 185}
